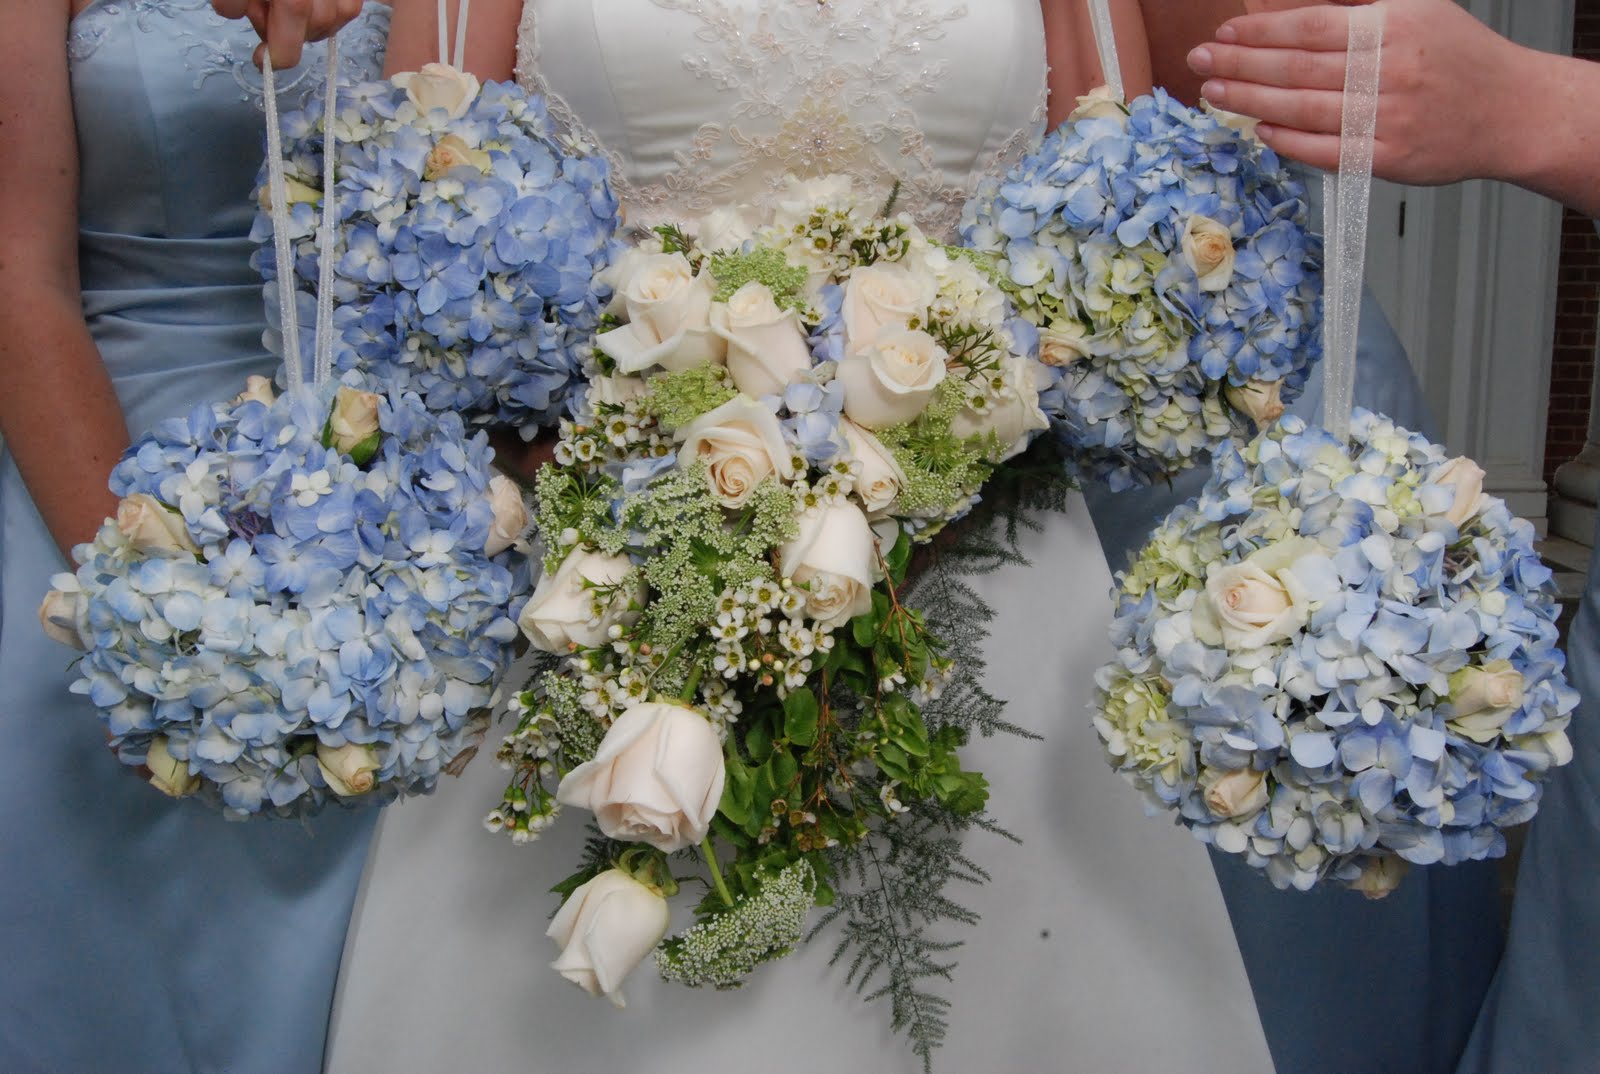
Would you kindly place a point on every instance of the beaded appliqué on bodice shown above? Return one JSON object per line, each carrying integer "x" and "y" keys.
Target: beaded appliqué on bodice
{"x": 216, "y": 47}
{"x": 810, "y": 87}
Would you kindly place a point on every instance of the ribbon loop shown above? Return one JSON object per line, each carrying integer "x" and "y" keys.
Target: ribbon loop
{"x": 1105, "y": 42}
{"x": 458, "y": 61}
{"x": 1347, "y": 197}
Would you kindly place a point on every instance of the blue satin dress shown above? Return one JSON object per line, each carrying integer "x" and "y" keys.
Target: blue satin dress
{"x": 140, "y": 935}
{"x": 1344, "y": 984}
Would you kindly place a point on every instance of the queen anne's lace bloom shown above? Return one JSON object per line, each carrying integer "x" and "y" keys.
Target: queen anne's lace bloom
{"x": 324, "y": 629}
{"x": 1165, "y": 257}
{"x": 1339, "y": 657}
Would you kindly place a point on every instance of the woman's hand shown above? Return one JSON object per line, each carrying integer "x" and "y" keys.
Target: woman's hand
{"x": 286, "y": 25}
{"x": 1452, "y": 91}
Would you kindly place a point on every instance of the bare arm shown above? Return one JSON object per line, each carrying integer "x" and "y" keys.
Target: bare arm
{"x": 491, "y": 36}
{"x": 58, "y": 412}
{"x": 1074, "y": 63}
{"x": 1457, "y": 101}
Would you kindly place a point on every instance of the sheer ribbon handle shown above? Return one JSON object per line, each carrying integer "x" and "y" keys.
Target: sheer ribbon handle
{"x": 1105, "y": 42}
{"x": 277, "y": 190}
{"x": 458, "y": 61}
{"x": 1347, "y": 197}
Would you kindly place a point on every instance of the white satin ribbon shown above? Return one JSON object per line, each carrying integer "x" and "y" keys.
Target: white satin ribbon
{"x": 1105, "y": 41}
{"x": 458, "y": 61}
{"x": 277, "y": 190}
{"x": 1347, "y": 197}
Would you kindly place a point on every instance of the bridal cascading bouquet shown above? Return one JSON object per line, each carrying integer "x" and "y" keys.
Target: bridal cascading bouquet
{"x": 471, "y": 243}
{"x": 301, "y": 599}
{"x": 1166, "y": 256}
{"x": 1341, "y": 659}
{"x": 778, "y": 414}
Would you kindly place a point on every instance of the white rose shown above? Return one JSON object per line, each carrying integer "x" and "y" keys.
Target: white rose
{"x": 439, "y": 86}
{"x": 1208, "y": 247}
{"x": 1013, "y": 417}
{"x": 835, "y": 557}
{"x": 882, "y": 300}
{"x": 354, "y": 420}
{"x": 723, "y": 229}
{"x": 1245, "y": 125}
{"x": 256, "y": 390}
{"x": 1485, "y": 698}
{"x": 60, "y": 613}
{"x": 1465, "y": 478}
{"x": 150, "y": 527}
{"x": 767, "y": 349}
{"x": 893, "y": 381}
{"x": 1098, "y": 103}
{"x": 1255, "y": 603}
{"x": 1237, "y": 794}
{"x": 562, "y": 611}
{"x": 616, "y": 391}
{"x": 1063, "y": 343}
{"x": 881, "y": 478}
{"x": 668, "y": 309}
{"x": 1380, "y": 876}
{"x": 1260, "y": 400}
{"x": 451, "y": 152}
{"x": 510, "y": 515}
{"x": 656, "y": 778}
{"x": 169, "y": 775}
{"x": 351, "y": 769}
{"x": 605, "y": 929}
{"x": 741, "y": 444}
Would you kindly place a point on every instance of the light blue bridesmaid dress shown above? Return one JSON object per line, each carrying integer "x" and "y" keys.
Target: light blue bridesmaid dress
{"x": 1345, "y": 985}
{"x": 139, "y": 935}
{"x": 1542, "y": 1015}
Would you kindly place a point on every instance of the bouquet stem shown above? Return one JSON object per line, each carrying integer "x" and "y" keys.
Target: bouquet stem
{"x": 716, "y": 872}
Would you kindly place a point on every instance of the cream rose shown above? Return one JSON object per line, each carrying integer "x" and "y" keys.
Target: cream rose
{"x": 1013, "y": 417}
{"x": 723, "y": 229}
{"x": 741, "y": 444}
{"x": 568, "y": 608}
{"x": 616, "y": 391}
{"x": 1485, "y": 698}
{"x": 1063, "y": 343}
{"x": 605, "y": 929}
{"x": 1208, "y": 247}
{"x": 893, "y": 381}
{"x": 1237, "y": 794}
{"x": 59, "y": 615}
{"x": 668, "y": 309}
{"x": 835, "y": 558}
{"x": 169, "y": 775}
{"x": 510, "y": 515}
{"x": 294, "y": 192}
{"x": 767, "y": 348}
{"x": 1098, "y": 103}
{"x": 452, "y": 152}
{"x": 351, "y": 770}
{"x": 438, "y": 86}
{"x": 150, "y": 527}
{"x": 354, "y": 421}
{"x": 1255, "y": 603}
{"x": 1380, "y": 876}
{"x": 256, "y": 390}
{"x": 883, "y": 300}
{"x": 881, "y": 478}
{"x": 1465, "y": 478}
{"x": 1260, "y": 400}
{"x": 657, "y": 777}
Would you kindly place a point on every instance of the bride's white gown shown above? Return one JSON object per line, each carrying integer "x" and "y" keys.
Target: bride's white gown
{"x": 1104, "y": 945}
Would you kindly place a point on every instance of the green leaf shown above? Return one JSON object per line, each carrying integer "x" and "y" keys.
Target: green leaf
{"x": 737, "y": 792}
{"x": 864, "y": 629}
{"x": 363, "y": 452}
{"x": 899, "y": 558}
{"x": 758, "y": 741}
{"x": 800, "y": 717}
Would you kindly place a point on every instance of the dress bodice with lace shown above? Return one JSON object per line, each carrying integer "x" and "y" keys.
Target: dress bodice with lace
{"x": 710, "y": 103}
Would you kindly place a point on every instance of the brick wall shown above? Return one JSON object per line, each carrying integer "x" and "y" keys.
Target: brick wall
{"x": 1577, "y": 300}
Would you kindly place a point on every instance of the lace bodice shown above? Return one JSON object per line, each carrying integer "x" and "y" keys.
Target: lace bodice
{"x": 710, "y": 103}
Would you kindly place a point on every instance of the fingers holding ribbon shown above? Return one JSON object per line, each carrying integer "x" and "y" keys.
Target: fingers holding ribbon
{"x": 286, "y": 26}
